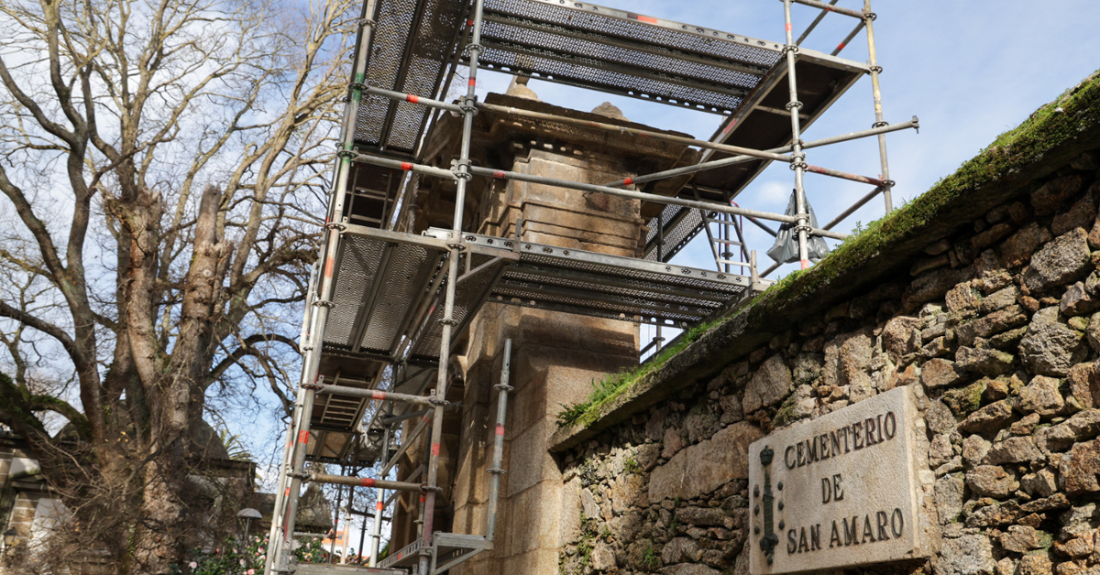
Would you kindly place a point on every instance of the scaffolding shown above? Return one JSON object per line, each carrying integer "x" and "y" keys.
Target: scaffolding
{"x": 402, "y": 299}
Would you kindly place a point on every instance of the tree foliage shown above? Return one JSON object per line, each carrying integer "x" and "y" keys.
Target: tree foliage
{"x": 162, "y": 166}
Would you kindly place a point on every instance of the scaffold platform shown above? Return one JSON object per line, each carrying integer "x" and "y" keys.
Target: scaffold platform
{"x": 388, "y": 287}
{"x": 446, "y": 550}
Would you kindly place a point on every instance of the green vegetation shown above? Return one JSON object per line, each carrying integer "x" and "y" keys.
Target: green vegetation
{"x": 588, "y": 540}
{"x": 651, "y": 560}
{"x": 613, "y": 385}
{"x": 1077, "y": 110}
{"x": 632, "y": 466}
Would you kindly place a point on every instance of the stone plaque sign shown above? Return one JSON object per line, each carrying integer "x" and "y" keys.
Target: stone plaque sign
{"x": 841, "y": 490}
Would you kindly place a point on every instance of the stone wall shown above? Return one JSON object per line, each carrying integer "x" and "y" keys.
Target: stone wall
{"x": 996, "y": 326}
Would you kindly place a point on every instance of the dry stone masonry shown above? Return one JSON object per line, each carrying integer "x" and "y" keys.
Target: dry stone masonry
{"x": 991, "y": 335}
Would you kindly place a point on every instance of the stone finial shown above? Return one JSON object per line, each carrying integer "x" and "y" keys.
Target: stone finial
{"x": 610, "y": 110}
{"x": 519, "y": 89}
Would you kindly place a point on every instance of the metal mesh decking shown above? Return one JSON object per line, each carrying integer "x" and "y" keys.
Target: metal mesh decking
{"x": 413, "y": 42}
{"x": 624, "y": 53}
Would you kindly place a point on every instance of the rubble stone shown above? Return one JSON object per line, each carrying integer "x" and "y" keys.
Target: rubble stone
{"x": 1080, "y": 468}
{"x": 1021, "y": 539}
{"x": 988, "y": 418}
{"x": 1051, "y": 348}
{"x": 1076, "y": 301}
{"x": 974, "y": 449}
{"x": 1037, "y": 563}
{"x": 948, "y": 493}
{"x": 1061, "y": 261}
{"x": 988, "y": 362}
{"x": 1039, "y": 484}
{"x": 1013, "y": 450}
{"x": 1048, "y": 198}
{"x": 937, "y": 373}
{"x": 1084, "y": 384}
{"x": 966, "y": 555}
{"x": 991, "y": 481}
{"x": 1018, "y": 248}
{"x": 992, "y": 324}
{"x": 1041, "y": 396}
{"x": 769, "y": 385}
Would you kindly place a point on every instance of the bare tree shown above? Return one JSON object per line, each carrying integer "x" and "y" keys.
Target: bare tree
{"x": 162, "y": 163}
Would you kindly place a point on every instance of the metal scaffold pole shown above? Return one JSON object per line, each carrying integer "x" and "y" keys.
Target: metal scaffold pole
{"x": 282, "y": 490}
{"x": 498, "y": 441}
{"x": 376, "y": 529}
{"x": 798, "y": 157}
{"x": 293, "y": 469}
{"x": 888, "y": 184}
{"x": 462, "y": 175}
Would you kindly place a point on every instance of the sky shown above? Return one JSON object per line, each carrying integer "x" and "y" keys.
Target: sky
{"x": 968, "y": 69}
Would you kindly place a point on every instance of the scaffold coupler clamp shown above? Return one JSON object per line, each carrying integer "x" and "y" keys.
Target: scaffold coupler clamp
{"x": 300, "y": 475}
{"x": 460, "y": 168}
{"x": 870, "y": 16}
{"x": 438, "y": 402}
{"x": 888, "y": 184}
{"x": 496, "y": 470}
{"x": 472, "y": 47}
{"x": 469, "y": 104}
{"x": 338, "y": 226}
{"x": 803, "y": 227}
{"x": 346, "y": 154}
{"x": 794, "y": 104}
{"x": 504, "y": 387}
{"x": 457, "y": 245}
{"x": 876, "y": 69}
{"x": 790, "y": 48}
{"x": 367, "y": 22}
{"x": 798, "y": 161}
{"x": 433, "y": 488}
{"x": 916, "y": 124}
{"x": 324, "y": 303}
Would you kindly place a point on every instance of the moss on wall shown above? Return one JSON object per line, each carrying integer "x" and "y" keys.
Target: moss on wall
{"x": 1009, "y": 161}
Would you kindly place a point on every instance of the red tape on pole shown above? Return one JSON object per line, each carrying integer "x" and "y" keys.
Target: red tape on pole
{"x": 628, "y": 181}
{"x": 406, "y": 166}
{"x": 303, "y": 437}
{"x": 378, "y": 506}
{"x": 435, "y": 449}
{"x": 378, "y": 395}
{"x": 367, "y": 482}
{"x": 500, "y": 429}
{"x": 411, "y": 98}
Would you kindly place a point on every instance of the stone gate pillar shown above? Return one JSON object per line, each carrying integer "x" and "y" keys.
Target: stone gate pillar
{"x": 555, "y": 356}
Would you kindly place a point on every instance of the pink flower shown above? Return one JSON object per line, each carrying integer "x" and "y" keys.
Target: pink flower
{"x": 193, "y": 565}
{"x": 250, "y": 572}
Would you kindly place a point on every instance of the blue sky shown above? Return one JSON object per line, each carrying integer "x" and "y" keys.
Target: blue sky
{"x": 968, "y": 69}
